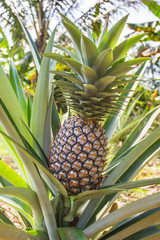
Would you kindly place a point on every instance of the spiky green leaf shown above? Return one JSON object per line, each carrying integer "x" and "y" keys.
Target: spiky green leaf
{"x": 121, "y": 50}
{"x": 89, "y": 51}
{"x": 89, "y": 75}
{"x": 69, "y": 52}
{"x": 12, "y": 176}
{"x": 103, "y": 82}
{"x": 75, "y": 36}
{"x": 67, "y": 233}
{"x": 110, "y": 38}
{"x": 41, "y": 97}
{"x": 103, "y": 62}
{"x": 17, "y": 86}
{"x": 11, "y": 232}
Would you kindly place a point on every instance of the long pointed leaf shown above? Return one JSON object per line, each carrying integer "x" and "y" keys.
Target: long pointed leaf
{"x": 4, "y": 219}
{"x": 110, "y": 39}
{"x": 111, "y": 122}
{"x": 149, "y": 233}
{"x": 139, "y": 131}
{"x": 11, "y": 232}
{"x": 59, "y": 186}
{"x": 20, "y": 206}
{"x": 12, "y": 104}
{"x": 17, "y": 86}
{"x": 113, "y": 218}
{"x": 115, "y": 188}
{"x": 41, "y": 98}
{"x": 120, "y": 51}
{"x": 11, "y": 175}
{"x": 89, "y": 51}
{"x": 55, "y": 119}
{"x": 132, "y": 156}
{"x": 134, "y": 225}
{"x": 12, "y": 152}
{"x": 26, "y": 195}
{"x": 75, "y": 36}
{"x": 31, "y": 44}
{"x": 71, "y": 233}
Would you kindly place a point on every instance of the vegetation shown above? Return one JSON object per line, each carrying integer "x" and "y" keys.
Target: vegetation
{"x": 46, "y": 208}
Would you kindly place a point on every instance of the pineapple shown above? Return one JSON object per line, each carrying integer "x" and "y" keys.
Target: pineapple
{"x": 97, "y": 78}
{"x": 78, "y": 155}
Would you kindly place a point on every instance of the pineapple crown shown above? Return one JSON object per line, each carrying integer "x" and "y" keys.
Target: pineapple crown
{"x": 98, "y": 70}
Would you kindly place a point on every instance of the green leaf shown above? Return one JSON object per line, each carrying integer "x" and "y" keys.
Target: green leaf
{"x": 128, "y": 227}
{"x": 102, "y": 34}
{"x": 74, "y": 65}
{"x": 40, "y": 235}
{"x": 121, "y": 50}
{"x": 12, "y": 104}
{"x": 12, "y": 176}
{"x": 69, "y": 52}
{"x": 110, "y": 39}
{"x": 17, "y": 86}
{"x": 26, "y": 195}
{"x": 67, "y": 233}
{"x": 20, "y": 206}
{"x": 37, "y": 161}
{"x": 141, "y": 161}
{"x": 75, "y": 36}
{"x": 32, "y": 45}
{"x": 41, "y": 154}
{"x": 125, "y": 67}
{"x": 41, "y": 98}
{"x": 11, "y": 232}
{"x": 130, "y": 173}
{"x": 139, "y": 131}
{"x": 116, "y": 216}
{"x": 103, "y": 62}
{"x": 34, "y": 180}
{"x": 89, "y": 88}
{"x": 55, "y": 123}
{"x": 55, "y": 56}
{"x": 149, "y": 233}
{"x": 89, "y": 75}
{"x": 66, "y": 19}
{"x": 103, "y": 82}
{"x": 12, "y": 152}
{"x": 111, "y": 122}
{"x": 115, "y": 188}
{"x": 47, "y": 128}
{"x": 89, "y": 51}
{"x": 69, "y": 76}
{"x": 153, "y": 6}
{"x": 128, "y": 160}
{"x": 29, "y": 109}
{"x": 89, "y": 34}
{"x": 4, "y": 219}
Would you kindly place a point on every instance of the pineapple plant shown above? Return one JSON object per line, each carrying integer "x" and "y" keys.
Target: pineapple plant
{"x": 98, "y": 75}
{"x": 61, "y": 191}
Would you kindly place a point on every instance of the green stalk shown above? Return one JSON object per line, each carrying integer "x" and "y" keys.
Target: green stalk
{"x": 138, "y": 226}
{"x": 45, "y": 204}
{"x": 129, "y": 210}
{"x": 129, "y": 126}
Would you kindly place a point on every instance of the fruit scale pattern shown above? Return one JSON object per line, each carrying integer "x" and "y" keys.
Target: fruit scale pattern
{"x": 78, "y": 155}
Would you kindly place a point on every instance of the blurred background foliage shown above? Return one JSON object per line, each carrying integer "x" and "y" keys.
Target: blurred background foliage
{"x": 41, "y": 16}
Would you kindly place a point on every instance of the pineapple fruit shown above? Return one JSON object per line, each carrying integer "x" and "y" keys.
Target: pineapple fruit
{"x": 97, "y": 78}
{"x": 78, "y": 154}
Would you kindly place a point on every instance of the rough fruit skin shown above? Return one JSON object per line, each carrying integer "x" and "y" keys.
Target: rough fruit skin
{"x": 78, "y": 155}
